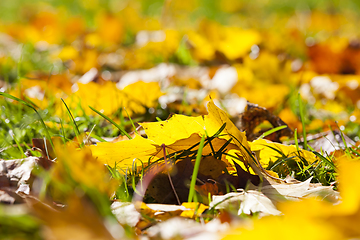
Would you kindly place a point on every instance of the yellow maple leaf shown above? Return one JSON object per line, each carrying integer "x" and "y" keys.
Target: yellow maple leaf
{"x": 179, "y": 133}
{"x": 203, "y": 49}
{"x": 180, "y": 127}
{"x": 83, "y": 168}
{"x": 177, "y": 127}
{"x": 108, "y": 99}
{"x": 125, "y": 152}
{"x": 216, "y": 119}
{"x": 237, "y": 42}
{"x": 266, "y": 151}
{"x": 122, "y": 154}
{"x": 196, "y": 208}
{"x": 141, "y": 95}
{"x": 318, "y": 219}
{"x": 105, "y": 98}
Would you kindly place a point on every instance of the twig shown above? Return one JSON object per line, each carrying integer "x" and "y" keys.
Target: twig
{"x": 171, "y": 183}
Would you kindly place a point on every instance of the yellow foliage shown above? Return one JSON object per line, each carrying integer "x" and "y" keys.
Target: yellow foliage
{"x": 317, "y": 219}
{"x": 177, "y": 127}
{"x": 178, "y": 133}
{"x": 202, "y": 48}
{"x": 291, "y": 119}
{"x": 237, "y": 42}
{"x": 108, "y": 99}
{"x": 110, "y": 29}
{"x": 83, "y": 168}
{"x": 233, "y": 42}
{"x": 139, "y": 96}
{"x": 122, "y": 154}
{"x": 68, "y": 53}
{"x": 262, "y": 93}
{"x": 42, "y": 91}
{"x": 265, "y": 151}
{"x": 196, "y": 208}
{"x": 105, "y": 98}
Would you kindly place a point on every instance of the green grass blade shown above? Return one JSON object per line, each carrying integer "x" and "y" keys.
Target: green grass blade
{"x": 33, "y": 108}
{"x": 272, "y": 131}
{"x": 302, "y": 117}
{"x": 354, "y": 151}
{"x": 326, "y": 160}
{"x": 131, "y": 121}
{"x": 16, "y": 99}
{"x": 76, "y": 129}
{"x": 18, "y": 144}
{"x": 210, "y": 144}
{"x": 123, "y": 132}
{"x": 296, "y": 140}
{"x": 220, "y": 130}
{"x": 276, "y": 150}
{"x": 196, "y": 169}
{"x": 347, "y": 151}
{"x": 63, "y": 132}
{"x": 220, "y": 151}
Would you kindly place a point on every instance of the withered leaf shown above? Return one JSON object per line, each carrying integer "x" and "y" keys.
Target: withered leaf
{"x": 161, "y": 190}
{"x": 247, "y": 202}
{"x": 212, "y": 167}
{"x": 255, "y": 115}
{"x": 16, "y": 176}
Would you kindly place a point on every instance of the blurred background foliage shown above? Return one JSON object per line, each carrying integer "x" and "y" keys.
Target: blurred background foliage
{"x": 267, "y": 51}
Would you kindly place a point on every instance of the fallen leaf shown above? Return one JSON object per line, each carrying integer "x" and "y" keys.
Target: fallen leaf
{"x": 184, "y": 228}
{"x": 125, "y": 152}
{"x": 184, "y": 134}
{"x": 176, "y": 128}
{"x": 255, "y": 115}
{"x": 193, "y": 209}
{"x": 212, "y": 167}
{"x": 330, "y": 141}
{"x": 16, "y": 176}
{"x": 247, "y": 202}
{"x": 126, "y": 213}
{"x": 79, "y": 219}
{"x": 293, "y": 189}
{"x": 267, "y": 152}
{"x": 160, "y": 187}
{"x": 140, "y": 96}
{"x": 77, "y": 167}
{"x": 208, "y": 188}
{"x": 215, "y": 120}
{"x": 264, "y": 199}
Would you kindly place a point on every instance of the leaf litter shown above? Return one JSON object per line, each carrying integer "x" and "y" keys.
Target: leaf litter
{"x": 249, "y": 180}
{"x": 256, "y": 192}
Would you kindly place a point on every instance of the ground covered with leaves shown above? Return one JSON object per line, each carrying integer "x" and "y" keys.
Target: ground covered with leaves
{"x": 179, "y": 119}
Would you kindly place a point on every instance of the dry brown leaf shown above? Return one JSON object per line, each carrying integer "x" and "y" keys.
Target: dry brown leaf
{"x": 161, "y": 190}
{"x": 212, "y": 167}
{"x": 15, "y": 176}
{"x": 255, "y": 115}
